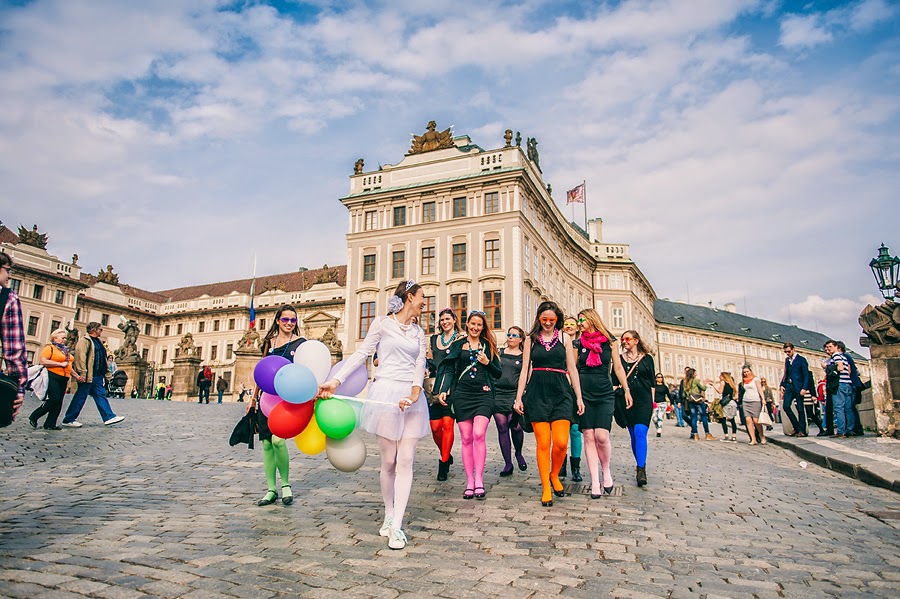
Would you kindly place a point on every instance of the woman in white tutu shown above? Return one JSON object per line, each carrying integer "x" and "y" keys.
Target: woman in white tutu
{"x": 397, "y": 412}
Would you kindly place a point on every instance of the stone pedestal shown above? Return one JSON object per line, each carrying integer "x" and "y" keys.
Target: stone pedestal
{"x": 138, "y": 374}
{"x": 245, "y": 360}
{"x": 885, "y": 368}
{"x": 184, "y": 379}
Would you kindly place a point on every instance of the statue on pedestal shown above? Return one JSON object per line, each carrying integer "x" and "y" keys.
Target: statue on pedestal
{"x": 358, "y": 166}
{"x": 185, "y": 346}
{"x": 250, "y": 340}
{"x": 109, "y": 276}
{"x": 881, "y": 324}
{"x": 332, "y": 342}
{"x": 507, "y": 137}
{"x": 71, "y": 337}
{"x": 431, "y": 140}
{"x": 33, "y": 238}
{"x": 129, "y": 345}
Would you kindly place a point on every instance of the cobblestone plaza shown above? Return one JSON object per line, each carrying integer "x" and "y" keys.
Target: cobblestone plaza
{"x": 161, "y": 506}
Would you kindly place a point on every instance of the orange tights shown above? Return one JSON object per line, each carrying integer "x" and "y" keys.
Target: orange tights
{"x": 442, "y": 433}
{"x": 557, "y": 434}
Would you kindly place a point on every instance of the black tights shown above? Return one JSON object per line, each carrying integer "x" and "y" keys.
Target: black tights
{"x": 505, "y": 430}
{"x": 725, "y": 422}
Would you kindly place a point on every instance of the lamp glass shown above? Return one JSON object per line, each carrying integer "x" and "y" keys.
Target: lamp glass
{"x": 885, "y": 269}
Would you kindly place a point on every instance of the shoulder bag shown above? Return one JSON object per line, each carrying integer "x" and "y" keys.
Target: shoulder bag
{"x": 619, "y": 394}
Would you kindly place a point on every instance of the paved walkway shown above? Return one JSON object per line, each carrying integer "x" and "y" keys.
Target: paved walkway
{"x": 161, "y": 506}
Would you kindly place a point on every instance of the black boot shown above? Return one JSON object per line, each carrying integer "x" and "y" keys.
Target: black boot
{"x": 443, "y": 469}
{"x": 576, "y": 469}
{"x": 562, "y": 471}
{"x": 641, "y": 476}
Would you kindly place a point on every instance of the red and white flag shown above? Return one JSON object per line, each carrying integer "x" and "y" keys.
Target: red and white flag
{"x": 575, "y": 196}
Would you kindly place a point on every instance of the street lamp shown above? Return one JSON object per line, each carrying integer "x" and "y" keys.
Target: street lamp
{"x": 152, "y": 367}
{"x": 886, "y": 269}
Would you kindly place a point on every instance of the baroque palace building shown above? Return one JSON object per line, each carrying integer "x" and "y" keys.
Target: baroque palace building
{"x": 477, "y": 229}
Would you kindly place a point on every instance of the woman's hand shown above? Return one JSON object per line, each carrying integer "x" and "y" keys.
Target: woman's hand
{"x": 628, "y": 400}
{"x": 482, "y": 358}
{"x": 442, "y": 399}
{"x": 327, "y": 388}
{"x": 580, "y": 404}
{"x": 407, "y": 402}
{"x": 519, "y": 407}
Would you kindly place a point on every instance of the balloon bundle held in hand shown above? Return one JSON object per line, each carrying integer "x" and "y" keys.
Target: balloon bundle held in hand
{"x": 288, "y": 390}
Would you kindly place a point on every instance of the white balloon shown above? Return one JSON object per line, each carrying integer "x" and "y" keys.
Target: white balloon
{"x": 316, "y": 356}
{"x": 347, "y": 454}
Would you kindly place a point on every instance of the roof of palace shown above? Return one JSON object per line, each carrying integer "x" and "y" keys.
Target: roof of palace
{"x": 7, "y": 236}
{"x": 289, "y": 281}
{"x": 713, "y": 320}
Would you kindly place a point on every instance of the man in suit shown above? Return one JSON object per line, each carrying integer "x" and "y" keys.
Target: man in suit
{"x": 795, "y": 385}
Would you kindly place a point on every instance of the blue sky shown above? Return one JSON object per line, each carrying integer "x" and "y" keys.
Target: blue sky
{"x": 747, "y": 150}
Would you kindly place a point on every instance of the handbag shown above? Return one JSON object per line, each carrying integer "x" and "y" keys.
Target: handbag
{"x": 764, "y": 418}
{"x": 245, "y": 430}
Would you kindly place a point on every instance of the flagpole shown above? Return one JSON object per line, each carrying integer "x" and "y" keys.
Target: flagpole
{"x": 584, "y": 186}
{"x": 252, "y": 294}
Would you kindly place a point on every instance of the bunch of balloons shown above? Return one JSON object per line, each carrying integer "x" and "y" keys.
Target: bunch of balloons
{"x": 328, "y": 425}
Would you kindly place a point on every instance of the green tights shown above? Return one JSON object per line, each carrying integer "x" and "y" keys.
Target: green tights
{"x": 275, "y": 457}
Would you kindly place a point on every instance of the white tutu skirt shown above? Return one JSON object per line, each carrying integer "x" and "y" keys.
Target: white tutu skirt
{"x": 389, "y": 421}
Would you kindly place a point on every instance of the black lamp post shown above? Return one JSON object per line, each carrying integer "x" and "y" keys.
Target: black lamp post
{"x": 886, "y": 269}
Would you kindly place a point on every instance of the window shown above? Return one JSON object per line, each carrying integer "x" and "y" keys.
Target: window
{"x": 429, "y": 212}
{"x": 428, "y": 261}
{"x": 491, "y": 202}
{"x": 491, "y": 307}
{"x": 664, "y": 337}
{"x": 165, "y": 356}
{"x": 215, "y": 325}
{"x": 459, "y": 303}
{"x": 146, "y": 329}
{"x": 371, "y": 220}
{"x": 54, "y": 324}
{"x": 104, "y": 319}
{"x": 14, "y": 285}
{"x": 369, "y": 267}
{"x": 399, "y": 216}
{"x": 667, "y": 364}
{"x": 60, "y": 296}
{"x": 229, "y": 351}
{"x": 32, "y": 325}
{"x": 201, "y": 328}
{"x": 492, "y": 253}
{"x": 427, "y": 322}
{"x": 179, "y": 329}
{"x": 616, "y": 281}
{"x": 145, "y": 353}
{"x": 38, "y": 292}
{"x": 459, "y": 257}
{"x": 618, "y": 318}
{"x": 366, "y": 316}
{"x": 398, "y": 264}
{"x": 213, "y": 352}
{"x": 168, "y": 328}
{"x": 227, "y": 376}
{"x": 230, "y": 324}
{"x": 459, "y": 207}
{"x": 527, "y": 260}
{"x": 262, "y": 324}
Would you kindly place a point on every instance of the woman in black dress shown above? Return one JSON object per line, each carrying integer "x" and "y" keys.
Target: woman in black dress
{"x": 467, "y": 377}
{"x": 551, "y": 402}
{"x": 283, "y": 339}
{"x": 440, "y": 416}
{"x": 508, "y": 427}
{"x": 596, "y": 348}
{"x": 640, "y": 371}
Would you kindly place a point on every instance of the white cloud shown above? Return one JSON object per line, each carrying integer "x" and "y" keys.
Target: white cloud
{"x": 869, "y": 13}
{"x": 803, "y": 31}
{"x": 832, "y": 311}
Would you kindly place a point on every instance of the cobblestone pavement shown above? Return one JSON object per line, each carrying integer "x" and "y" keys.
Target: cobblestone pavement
{"x": 161, "y": 506}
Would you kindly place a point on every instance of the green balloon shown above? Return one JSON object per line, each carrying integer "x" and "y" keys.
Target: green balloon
{"x": 335, "y": 417}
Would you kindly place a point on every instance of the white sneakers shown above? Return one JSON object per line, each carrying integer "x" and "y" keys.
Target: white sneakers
{"x": 73, "y": 424}
{"x": 113, "y": 420}
{"x": 385, "y": 530}
{"x": 397, "y": 539}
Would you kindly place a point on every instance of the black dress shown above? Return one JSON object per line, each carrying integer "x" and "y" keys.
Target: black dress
{"x": 287, "y": 351}
{"x": 596, "y": 388}
{"x": 508, "y": 383}
{"x": 641, "y": 383}
{"x": 435, "y": 410}
{"x": 548, "y": 395}
{"x": 469, "y": 383}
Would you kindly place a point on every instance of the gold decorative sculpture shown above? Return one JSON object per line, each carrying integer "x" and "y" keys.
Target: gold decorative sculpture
{"x": 33, "y": 238}
{"x": 507, "y": 137}
{"x": 358, "y": 166}
{"x": 108, "y": 276}
{"x": 431, "y": 140}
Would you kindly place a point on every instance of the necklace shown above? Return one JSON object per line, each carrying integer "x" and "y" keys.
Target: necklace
{"x": 473, "y": 359}
{"x": 548, "y": 345}
{"x": 446, "y": 342}
{"x": 403, "y": 327}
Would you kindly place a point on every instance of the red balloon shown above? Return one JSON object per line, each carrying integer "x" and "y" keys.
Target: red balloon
{"x": 288, "y": 420}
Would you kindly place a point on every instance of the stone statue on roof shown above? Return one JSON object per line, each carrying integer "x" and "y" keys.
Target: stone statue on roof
{"x": 518, "y": 139}
{"x": 507, "y": 137}
{"x": 532, "y": 151}
{"x": 431, "y": 140}
{"x": 358, "y": 166}
{"x": 33, "y": 238}
{"x": 108, "y": 276}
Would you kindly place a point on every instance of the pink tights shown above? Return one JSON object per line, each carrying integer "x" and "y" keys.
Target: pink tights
{"x": 474, "y": 449}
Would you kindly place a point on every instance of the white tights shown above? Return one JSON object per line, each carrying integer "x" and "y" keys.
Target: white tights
{"x": 396, "y": 476}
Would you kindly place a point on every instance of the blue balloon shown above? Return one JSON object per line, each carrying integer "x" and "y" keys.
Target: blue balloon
{"x": 296, "y": 383}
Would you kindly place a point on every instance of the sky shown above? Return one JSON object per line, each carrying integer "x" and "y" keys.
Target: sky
{"x": 747, "y": 150}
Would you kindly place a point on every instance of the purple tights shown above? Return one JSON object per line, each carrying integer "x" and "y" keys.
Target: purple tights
{"x": 504, "y": 432}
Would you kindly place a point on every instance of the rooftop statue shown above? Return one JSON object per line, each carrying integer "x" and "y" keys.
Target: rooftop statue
{"x": 32, "y": 238}
{"x": 507, "y": 137}
{"x": 108, "y": 276}
{"x": 358, "y": 166}
{"x": 431, "y": 140}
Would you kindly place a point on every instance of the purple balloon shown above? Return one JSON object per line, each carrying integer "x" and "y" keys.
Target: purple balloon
{"x": 267, "y": 401}
{"x": 265, "y": 371}
{"x": 355, "y": 383}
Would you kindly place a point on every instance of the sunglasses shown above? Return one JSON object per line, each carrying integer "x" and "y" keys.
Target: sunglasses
{"x": 582, "y": 319}
{"x": 548, "y": 320}
{"x": 478, "y": 312}
{"x": 627, "y": 338}
{"x": 287, "y": 320}
{"x": 569, "y": 323}
{"x": 513, "y": 336}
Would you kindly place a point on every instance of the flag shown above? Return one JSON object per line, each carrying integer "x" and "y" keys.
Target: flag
{"x": 252, "y": 310}
{"x": 575, "y": 196}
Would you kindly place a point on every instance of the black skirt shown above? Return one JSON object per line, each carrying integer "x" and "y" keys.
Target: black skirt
{"x": 549, "y": 397}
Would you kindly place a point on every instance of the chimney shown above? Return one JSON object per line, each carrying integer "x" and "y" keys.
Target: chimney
{"x": 731, "y": 308}
{"x": 595, "y": 229}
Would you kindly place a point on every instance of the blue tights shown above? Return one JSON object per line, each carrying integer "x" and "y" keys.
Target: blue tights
{"x": 638, "y": 434}
{"x": 575, "y": 441}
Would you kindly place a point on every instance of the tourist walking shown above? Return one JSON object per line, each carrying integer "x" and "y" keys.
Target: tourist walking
{"x": 576, "y": 438}
{"x": 89, "y": 368}
{"x": 509, "y": 429}
{"x": 751, "y": 395}
{"x": 204, "y": 383}
{"x": 57, "y": 359}
{"x": 401, "y": 347}
{"x": 467, "y": 378}
{"x": 640, "y": 375}
{"x": 596, "y": 356}
{"x": 694, "y": 397}
{"x": 660, "y": 403}
{"x": 728, "y": 408}
{"x": 795, "y": 386}
{"x": 221, "y": 388}
{"x": 282, "y": 339}
{"x": 677, "y": 396}
{"x": 12, "y": 334}
{"x": 551, "y": 402}
{"x": 769, "y": 398}
{"x": 844, "y": 397}
{"x": 440, "y": 417}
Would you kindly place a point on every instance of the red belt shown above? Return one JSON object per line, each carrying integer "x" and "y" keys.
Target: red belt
{"x": 552, "y": 370}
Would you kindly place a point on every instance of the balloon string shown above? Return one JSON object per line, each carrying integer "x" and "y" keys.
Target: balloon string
{"x": 366, "y": 400}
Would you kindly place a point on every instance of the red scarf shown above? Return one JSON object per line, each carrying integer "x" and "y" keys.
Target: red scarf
{"x": 593, "y": 342}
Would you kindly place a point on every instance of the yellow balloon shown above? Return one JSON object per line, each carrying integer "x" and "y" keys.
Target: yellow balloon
{"x": 312, "y": 440}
